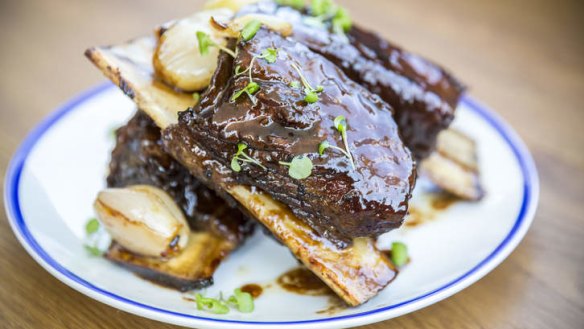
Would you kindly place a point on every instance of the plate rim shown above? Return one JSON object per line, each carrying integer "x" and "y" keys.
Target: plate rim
{"x": 522, "y": 223}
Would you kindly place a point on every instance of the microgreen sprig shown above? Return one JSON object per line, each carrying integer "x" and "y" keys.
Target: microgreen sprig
{"x": 296, "y": 4}
{"x": 244, "y": 158}
{"x": 242, "y": 300}
{"x": 270, "y": 55}
{"x": 211, "y": 305}
{"x": 300, "y": 167}
{"x": 399, "y": 254}
{"x": 250, "y": 29}
{"x": 311, "y": 94}
{"x": 205, "y": 43}
{"x": 323, "y": 10}
{"x": 340, "y": 124}
{"x": 92, "y": 228}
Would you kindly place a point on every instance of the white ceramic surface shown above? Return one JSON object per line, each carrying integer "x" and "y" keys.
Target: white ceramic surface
{"x": 55, "y": 175}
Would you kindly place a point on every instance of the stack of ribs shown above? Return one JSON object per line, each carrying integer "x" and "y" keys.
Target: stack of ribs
{"x": 395, "y": 105}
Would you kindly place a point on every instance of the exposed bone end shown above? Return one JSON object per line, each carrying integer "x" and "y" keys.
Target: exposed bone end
{"x": 130, "y": 67}
{"x": 356, "y": 273}
{"x": 454, "y": 165}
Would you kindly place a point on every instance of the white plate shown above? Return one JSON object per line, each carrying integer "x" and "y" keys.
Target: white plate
{"x": 55, "y": 175}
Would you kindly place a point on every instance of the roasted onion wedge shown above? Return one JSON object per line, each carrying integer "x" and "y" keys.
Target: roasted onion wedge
{"x": 143, "y": 219}
{"x": 177, "y": 59}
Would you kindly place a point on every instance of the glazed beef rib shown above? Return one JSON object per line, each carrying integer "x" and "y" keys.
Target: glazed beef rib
{"x": 339, "y": 201}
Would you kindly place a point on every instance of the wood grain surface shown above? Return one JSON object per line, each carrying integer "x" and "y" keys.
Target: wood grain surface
{"x": 523, "y": 58}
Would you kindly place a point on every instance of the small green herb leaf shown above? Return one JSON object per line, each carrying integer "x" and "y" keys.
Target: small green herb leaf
{"x": 341, "y": 21}
{"x": 196, "y": 97}
{"x": 250, "y": 89}
{"x": 296, "y": 4}
{"x": 311, "y": 97}
{"x": 235, "y": 165}
{"x": 295, "y": 84}
{"x": 93, "y": 250}
{"x": 321, "y": 7}
{"x": 299, "y": 168}
{"x": 399, "y": 254}
{"x": 211, "y": 305}
{"x": 242, "y": 300}
{"x": 204, "y": 42}
{"x": 92, "y": 226}
{"x": 270, "y": 55}
{"x": 340, "y": 123}
{"x": 241, "y": 156}
{"x": 323, "y": 146}
{"x": 250, "y": 29}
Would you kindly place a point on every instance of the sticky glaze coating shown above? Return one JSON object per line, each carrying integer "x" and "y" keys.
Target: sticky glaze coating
{"x": 338, "y": 202}
{"x": 423, "y": 95}
{"x": 139, "y": 158}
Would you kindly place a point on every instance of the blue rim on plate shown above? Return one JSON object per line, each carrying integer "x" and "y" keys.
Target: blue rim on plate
{"x": 514, "y": 236}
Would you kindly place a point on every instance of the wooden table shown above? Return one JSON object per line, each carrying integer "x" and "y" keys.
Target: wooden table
{"x": 523, "y": 58}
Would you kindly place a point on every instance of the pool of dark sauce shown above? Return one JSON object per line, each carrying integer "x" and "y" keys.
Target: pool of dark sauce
{"x": 302, "y": 281}
{"x": 255, "y": 290}
{"x": 437, "y": 202}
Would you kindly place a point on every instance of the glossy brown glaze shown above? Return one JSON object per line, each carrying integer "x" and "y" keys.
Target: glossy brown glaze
{"x": 255, "y": 290}
{"x": 423, "y": 95}
{"x": 139, "y": 158}
{"x": 339, "y": 202}
{"x": 302, "y": 281}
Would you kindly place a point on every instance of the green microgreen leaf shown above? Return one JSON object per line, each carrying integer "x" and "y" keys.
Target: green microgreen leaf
{"x": 250, "y": 89}
{"x": 92, "y": 226}
{"x": 196, "y": 97}
{"x": 270, "y": 55}
{"x": 235, "y": 165}
{"x": 299, "y": 168}
{"x": 296, "y": 4}
{"x": 211, "y": 305}
{"x": 241, "y": 147}
{"x": 250, "y": 29}
{"x": 242, "y": 300}
{"x": 323, "y": 146}
{"x": 311, "y": 94}
{"x": 341, "y": 21}
{"x": 340, "y": 124}
{"x": 204, "y": 42}
{"x": 311, "y": 97}
{"x": 92, "y": 230}
{"x": 93, "y": 250}
{"x": 295, "y": 84}
{"x": 241, "y": 156}
{"x": 399, "y": 253}
{"x": 321, "y": 7}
